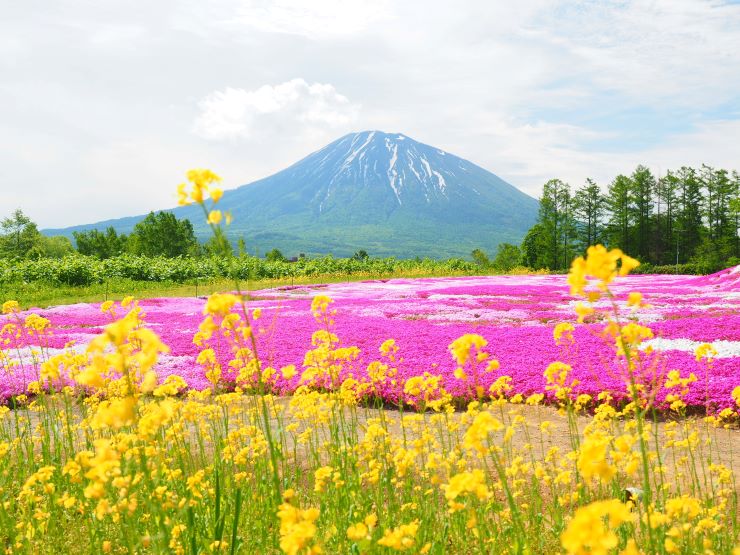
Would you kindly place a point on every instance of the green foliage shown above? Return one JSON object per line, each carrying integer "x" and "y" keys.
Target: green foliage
{"x": 20, "y": 237}
{"x": 507, "y": 258}
{"x": 361, "y": 255}
{"x": 162, "y": 234}
{"x": 275, "y": 256}
{"x": 99, "y": 244}
{"x": 55, "y": 247}
{"x": 77, "y": 269}
{"x": 481, "y": 258}
{"x": 687, "y": 216}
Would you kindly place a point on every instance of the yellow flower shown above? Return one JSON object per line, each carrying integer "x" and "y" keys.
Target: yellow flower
{"x": 297, "y": 527}
{"x": 634, "y": 299}
{"x": 582, "y": 310}
{"x": 182, "y": 195}
{"x": 214, "y": 217}
{"x": 400, "y": 538}
{"x": 705, "y": 350}
{"x": 11, "y": 307}
{"x": 483, "y": 424}
{"x": 563, "y": 333}
{"x": 466, "y": 482}
{"x": 462, "y": 346}
{"x": 601, "y": 264}
{"x": 589, "y": 533}
{"x": 216, "y": 194}
{"x": 592, "y": 462}
{"x": 220, "y": 303}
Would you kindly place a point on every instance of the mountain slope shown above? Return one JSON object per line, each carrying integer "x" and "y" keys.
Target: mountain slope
{"x": 381, "y": 192}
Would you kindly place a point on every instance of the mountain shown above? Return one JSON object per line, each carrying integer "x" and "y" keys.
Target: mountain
{"x": 381, "y": 192}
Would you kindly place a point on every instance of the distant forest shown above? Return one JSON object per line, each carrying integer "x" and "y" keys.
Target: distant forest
{"x": 687, "y": 216}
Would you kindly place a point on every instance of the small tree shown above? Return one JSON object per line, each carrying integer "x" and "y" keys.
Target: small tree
{"x": 20, "y": 236}
{"x": 55, "y": 247}
{"x": 480, "y": 258}
{"x": 508, "y": 257}
{"x": 99, "y": 244}
{"x": 163, "y": 234}
{"x": 275, "y": 256}
{"x": 361, "y": 255}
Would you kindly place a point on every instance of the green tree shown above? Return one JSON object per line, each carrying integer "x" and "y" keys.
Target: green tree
{"x": 619, "y": 202}
{"x": 163, "y": 234}
{"x": 361, "y": 255}
{"x": 558, "y": 226}
{"x": 536, "y": 247}
{"x": 275, "y": 256}
{"x": 643, "y": 186}
{"x": 665, "y": 219}
{"x": 589, "y": 208}
{"x": 55, "y": 247}
{"x": 20, "y": 237}
{"x": 689, "y": 226}
{"x": 481, "y": 258}
{"x": 508, "y": 256}
{"x": 99, "y": 244}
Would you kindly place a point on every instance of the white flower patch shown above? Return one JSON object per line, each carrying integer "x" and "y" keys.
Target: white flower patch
{"x": 725, "y": 349}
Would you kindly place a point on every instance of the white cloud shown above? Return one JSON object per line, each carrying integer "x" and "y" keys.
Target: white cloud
{"x": 233, "y": 113}
{"x": 316, "y": 19}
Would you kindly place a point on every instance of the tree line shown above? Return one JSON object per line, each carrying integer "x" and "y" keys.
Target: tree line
{"x": 686, "y": 216}
{"x": 159, "y": 234}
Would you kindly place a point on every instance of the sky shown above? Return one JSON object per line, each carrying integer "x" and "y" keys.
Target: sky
{"x": 104, "y": 105}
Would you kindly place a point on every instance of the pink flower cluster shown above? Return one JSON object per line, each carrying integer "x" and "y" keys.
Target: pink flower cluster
{"x": 515, "y": 314}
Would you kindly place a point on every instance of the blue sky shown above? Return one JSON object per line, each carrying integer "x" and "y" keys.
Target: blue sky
{"x": 105, "y": 105}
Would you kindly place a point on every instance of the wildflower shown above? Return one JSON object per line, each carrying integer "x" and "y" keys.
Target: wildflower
{"x": 589, "y": 532}
{"x": 362, "y": 530}
{"x": 592, "y": 462}
{"x": 401, "y": 537}
{"x": 320, "y": 304}
{"x": 462, "y": 346}
{"x": 214, "y": 217}
{"x": 705, "y": 350}
{"x": 466, "y": 482}
{"x": 483, "y": 424}
{"x": 11, "y": 307}
{"x": 297, "y": 527}
{"x": 563, "y": 334}
{"x": 601, "y": 264}
{"x": 634, "y": 299}
{"x": 583, "y": 311}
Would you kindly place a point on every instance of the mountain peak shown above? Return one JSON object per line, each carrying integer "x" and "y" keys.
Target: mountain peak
{"x": 383, "y": 192}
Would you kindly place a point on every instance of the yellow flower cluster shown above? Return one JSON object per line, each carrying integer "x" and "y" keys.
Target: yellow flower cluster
{"x": 602, "y": 264}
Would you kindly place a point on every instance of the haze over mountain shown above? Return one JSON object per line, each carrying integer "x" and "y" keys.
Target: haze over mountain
{"x": 381, "y": 192}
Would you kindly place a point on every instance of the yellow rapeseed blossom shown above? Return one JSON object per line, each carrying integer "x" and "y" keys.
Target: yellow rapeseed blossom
{"x": 591, "y": 531}
{"x": 477, "y": 434}
{"x": 462, "y": 347}
{"x": 601, "y": 264}
{"x": 466, "y": 482}
{"x": 297, "y": 527}
{"x": 592, "y": 458}
{"x": 11, "y": 307}
{"x": 400, "y": 538}
{"x": 705, "y": 350}
{"x": 563, "y": 333}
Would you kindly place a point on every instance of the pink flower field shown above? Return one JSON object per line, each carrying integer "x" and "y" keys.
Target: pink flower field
{"x": 515, "y": 314}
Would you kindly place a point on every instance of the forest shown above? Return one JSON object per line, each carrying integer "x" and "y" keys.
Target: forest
{"x": 686, "y": 217}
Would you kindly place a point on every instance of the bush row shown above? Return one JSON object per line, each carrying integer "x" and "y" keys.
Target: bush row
{"x": 85, "y": 270}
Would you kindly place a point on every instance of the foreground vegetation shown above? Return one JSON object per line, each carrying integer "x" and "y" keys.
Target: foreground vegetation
{"x": 103, "y": 456}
